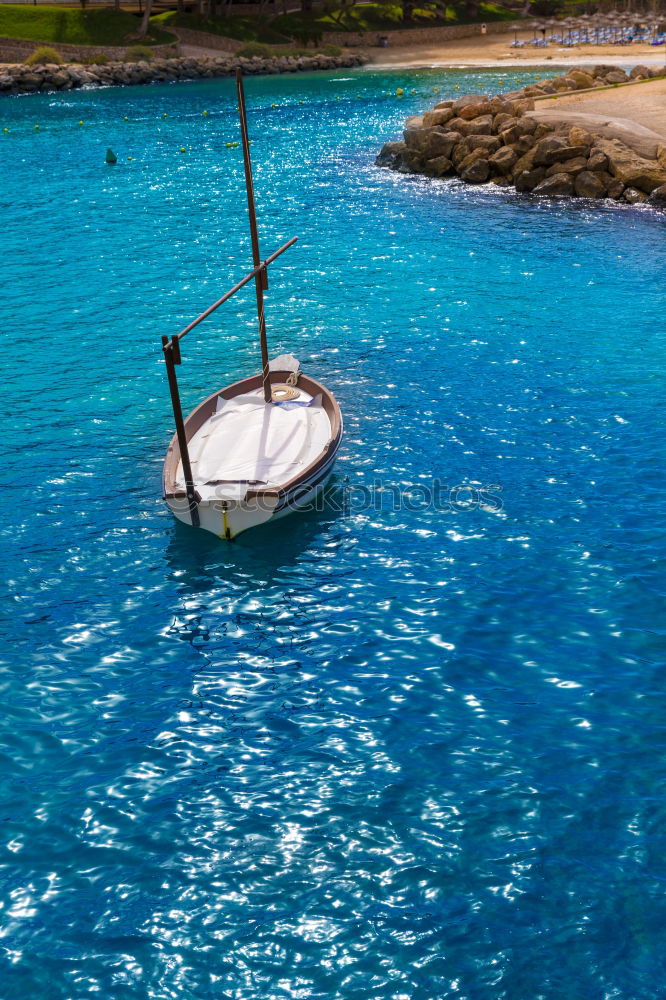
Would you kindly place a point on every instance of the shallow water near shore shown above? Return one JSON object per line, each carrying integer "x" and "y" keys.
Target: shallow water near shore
{"x": 409, "y": 746}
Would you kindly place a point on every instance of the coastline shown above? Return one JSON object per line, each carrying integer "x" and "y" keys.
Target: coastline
{"x": 19, "y": 78}
{"x": 558, "y": 137}
{"x": 495, "y": 52}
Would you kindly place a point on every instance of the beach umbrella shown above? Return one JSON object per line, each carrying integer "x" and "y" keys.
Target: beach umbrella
{"x": 569, "y": 23}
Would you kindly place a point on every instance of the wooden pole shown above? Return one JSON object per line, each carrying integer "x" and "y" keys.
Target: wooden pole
{"x": 172, "y": 358}
{"x": 261, "y": 279}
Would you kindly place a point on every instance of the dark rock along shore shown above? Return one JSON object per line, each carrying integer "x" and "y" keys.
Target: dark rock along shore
{"x": 485, "y": 139}
{"x": 21, "y": 79}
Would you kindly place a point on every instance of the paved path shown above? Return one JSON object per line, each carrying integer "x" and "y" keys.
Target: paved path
{"x": 635, "y": 114}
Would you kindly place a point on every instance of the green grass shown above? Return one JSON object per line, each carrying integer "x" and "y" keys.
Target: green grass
{"x": 386, "y": 16}
{"x": 74, "y": 27}
{"x": 305, "y": 28}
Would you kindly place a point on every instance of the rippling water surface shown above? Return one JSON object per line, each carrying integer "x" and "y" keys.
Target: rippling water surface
{"x": 402, "y": 754}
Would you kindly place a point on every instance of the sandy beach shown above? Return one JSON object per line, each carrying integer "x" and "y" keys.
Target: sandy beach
{"x": 494, "y": 51}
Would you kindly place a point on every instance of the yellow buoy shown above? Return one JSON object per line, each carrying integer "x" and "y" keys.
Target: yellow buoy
{"x": 456, "y": 87}
{"x": 182, "y": 149}
{"x": 36, "y": 128}
{"x": 125, "y": 119}
{"x": 205, "y": 113}
{"x": 300, "y": 102}
{"x": 399, "y": 92}
{"x": 274, "y": 105}
{"x": 130, "y": 157}
{"x": 165, "y": 115}
{"x": 437, "y": 90}
{"x": 80, "y": 123}
{"x": 5, "y": 130}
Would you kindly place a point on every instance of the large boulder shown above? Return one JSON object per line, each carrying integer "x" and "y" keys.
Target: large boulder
{"x": 61, "y": 80}
{"x": 580, "y": 136}
{"x": 515, "y": 131}
{"x": 632, "y": 169}
{"x": 614, "y": 186}
{"x": 640, "y": 71}
{"x": 573, "y": 166}
{"x": 470, "y": 111}
{"x": 658, "y": 196}
{"x": 416, "y": 136}
{"x": 476, "y": 172}
{"x": 589, "y": 185}
{"x": 437, "y": 117}
{"x": 489, "y": 143}
{"x": 477, "y": 126}
{"x": 30, "y": 81}
{"x": 582, "y": 79}
{"x": 597, "y": 160}
{"x": 438, "y": 166}
{"x": 525, "y": 162}
{"x": 557, "y": 185}
{"x": 527, "y": 180}
{"x": 391, "y": 154}
{"x": 634, "y": 197}
{"x": 520, "y": 107}
{"x": 522, "y": 145}
{"x": 556, "y": 149}
{"x": 616, "y": 76}
{"x": 466, "y": 100}
{"x": 534, "y": 90}
{"x": 503, "y": 160}
{"x": 503, "y": 120}
{"x": 498, "y": 104}
{"x": 440, "y": 142}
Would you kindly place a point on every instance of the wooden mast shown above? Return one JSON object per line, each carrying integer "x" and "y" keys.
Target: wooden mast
{"x": 261, "y": 279}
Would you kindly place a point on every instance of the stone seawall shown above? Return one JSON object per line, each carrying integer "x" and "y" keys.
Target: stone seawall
{"x": 21, "y": 79}
{"x": 205, "y": 40}
{"x": 419, "y": 36}
{"x": 498, "y": 139}
{"x": 14, "y": 50}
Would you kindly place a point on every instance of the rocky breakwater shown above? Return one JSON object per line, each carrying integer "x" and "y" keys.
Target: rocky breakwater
{"x": 496, "y": 139}
{"x": 20, "y": 79}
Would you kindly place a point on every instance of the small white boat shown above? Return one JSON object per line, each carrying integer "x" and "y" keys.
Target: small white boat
{"x": 260, "y": 448}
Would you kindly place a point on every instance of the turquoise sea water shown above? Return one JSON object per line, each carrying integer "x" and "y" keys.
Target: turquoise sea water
{"x": 404, "y": 754}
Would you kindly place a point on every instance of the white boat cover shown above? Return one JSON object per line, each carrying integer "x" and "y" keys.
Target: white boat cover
{"x": 284, "y": 363}
{"x": 248, "y": 442}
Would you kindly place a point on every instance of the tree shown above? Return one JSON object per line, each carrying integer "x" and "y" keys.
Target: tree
{"x": 147, "y": 11}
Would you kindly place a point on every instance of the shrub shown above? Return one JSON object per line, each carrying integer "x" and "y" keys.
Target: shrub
{"x": 138, "y": 53}
{"x": 100, "y": 60}
{"x": 44, "y": 55}
{"x": 331, "y": 50}
{"x": 255, "y": 49}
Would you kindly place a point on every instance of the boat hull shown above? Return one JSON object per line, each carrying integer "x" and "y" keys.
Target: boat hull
{"x": 228, "y": 518}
